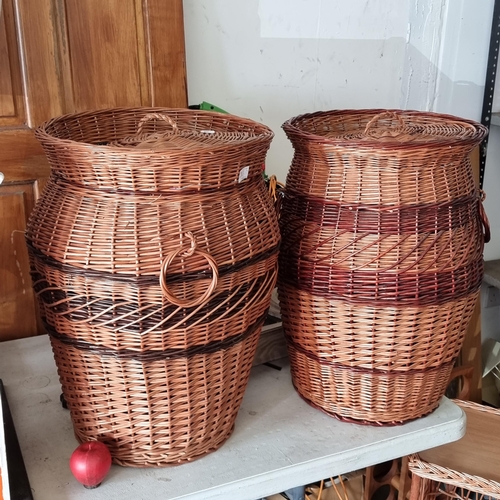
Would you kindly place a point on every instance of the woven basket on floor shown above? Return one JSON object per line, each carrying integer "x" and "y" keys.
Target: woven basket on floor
{"x": 381, "y": 259}
{"x": 154, "y": 255}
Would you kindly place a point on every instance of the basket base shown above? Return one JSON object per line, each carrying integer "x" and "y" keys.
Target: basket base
{"x": 156, "y": 412}
{"x": 370, "y": 397}
{"x": 158, "y": 461}
{"x": 359, "y": 421}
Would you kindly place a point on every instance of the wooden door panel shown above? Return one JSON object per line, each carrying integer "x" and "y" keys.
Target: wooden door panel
{"x": 167, "y": 61}
{"x": 25, "y": 169}
{"x": 18, "y": 147}
{"x": 37, "y": 32}
{"x": 18, "y": 316}
{"x": 93, "y": 54}
{"x": 7, "y": 105}
{"x": 104, "y": 59}
{"x": 11, "y": 98}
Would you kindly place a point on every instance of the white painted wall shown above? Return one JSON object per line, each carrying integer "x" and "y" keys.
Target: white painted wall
{"x": 463, "y": 59}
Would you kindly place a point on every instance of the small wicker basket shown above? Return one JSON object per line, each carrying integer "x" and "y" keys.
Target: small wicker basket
{"x": 154, "y": 253}
{"x": 466, "y": 469}
{"x": 381, "y": 261}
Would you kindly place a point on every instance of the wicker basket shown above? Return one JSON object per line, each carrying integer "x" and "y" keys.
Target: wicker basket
{"x": 154, "y": 253}
{"x": 381, "y": 260}
{"x": 447, "y": 473}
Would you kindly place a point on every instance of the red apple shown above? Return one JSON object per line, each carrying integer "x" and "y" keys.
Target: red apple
{"x": 90, "y": 463}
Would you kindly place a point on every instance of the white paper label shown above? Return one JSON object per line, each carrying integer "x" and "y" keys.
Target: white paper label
{"x": 243, "y": 174}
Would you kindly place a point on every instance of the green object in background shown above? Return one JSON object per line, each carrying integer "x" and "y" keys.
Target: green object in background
{"x": 206, "y": 106}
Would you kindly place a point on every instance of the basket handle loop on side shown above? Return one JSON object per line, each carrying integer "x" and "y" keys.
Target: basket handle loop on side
{"x": 187, "y": 253}
{"x": 275, "y": 189}
{"x": 484, "y": 218}
{"x": 372, "y": 130}
{"x": 156, "y": 116}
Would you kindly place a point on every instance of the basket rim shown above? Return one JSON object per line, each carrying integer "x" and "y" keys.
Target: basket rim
{"x": 42, "y": 134}
{"x": 290, "y": 126}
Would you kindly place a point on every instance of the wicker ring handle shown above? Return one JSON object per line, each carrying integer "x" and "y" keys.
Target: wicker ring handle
{"x": 484, "y": 218}
{"x": 156, "y": 116}
{"x": 372, "y": 131}
{"x": 187, "y": 253}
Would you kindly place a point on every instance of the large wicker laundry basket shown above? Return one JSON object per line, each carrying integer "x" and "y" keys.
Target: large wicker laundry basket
{"x": 381, "y": 258}
{"x": 154, "y": 254}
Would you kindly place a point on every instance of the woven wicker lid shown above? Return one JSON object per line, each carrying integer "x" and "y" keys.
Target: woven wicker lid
{"x": 152, "y": 128}
{"x": 155, "y": 149}
{"x": 384, "y": 128}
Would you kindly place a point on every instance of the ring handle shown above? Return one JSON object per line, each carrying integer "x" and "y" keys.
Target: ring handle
{"x": 371, "y": 130}
{"x": 156, "y": 116}
{"x": 187, "y": 253}
{"x": 484, "y": 218}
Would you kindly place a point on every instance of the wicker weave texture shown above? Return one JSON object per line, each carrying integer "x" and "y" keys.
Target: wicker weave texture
{"x": 380, "y": 238}
{"x": 366, "y": 396}
{"x": 152, "y": 413}
{"x": 402, "y": 158}
{"x": 437, "y": 480}
{"x": 113, "y": 319}
{"x": 371, "y": 337}
{"x": 83, "y": 148}
{"x": 154, "y": 253}
{"x": 381, "y": 260}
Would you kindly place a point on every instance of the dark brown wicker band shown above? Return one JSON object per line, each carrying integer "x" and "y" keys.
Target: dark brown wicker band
{"x": 385, "y": 219}
{"x": 145, "y": 280}
{"x": 122, "y": 313}
{"x": 360, "y": 369}
{"x": 148, "y": 356}
{"x": 167, "y": 194}
{"x": 380, "y": 287}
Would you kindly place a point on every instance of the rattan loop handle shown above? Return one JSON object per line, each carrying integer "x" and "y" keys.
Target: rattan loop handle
{"x": 373, "y": 131}
{"x": 187, "y": 253}
{"x": 156, "y": 116}
{"x": 276, "y": 192}
{"x": 484, "y": 218}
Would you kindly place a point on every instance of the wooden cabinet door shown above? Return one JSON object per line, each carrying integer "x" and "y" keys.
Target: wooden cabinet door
{"x": 63, "y": 56}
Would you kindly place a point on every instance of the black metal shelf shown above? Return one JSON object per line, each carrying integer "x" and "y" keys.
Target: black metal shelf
{"x": 489, "y": 89}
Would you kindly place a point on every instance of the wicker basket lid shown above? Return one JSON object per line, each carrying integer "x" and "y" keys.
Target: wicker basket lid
{"x": 384, "y": 128}
{"x": 164, "y": 134}
{"x": 150, "y": 128}
{"x": 155, "y": 149}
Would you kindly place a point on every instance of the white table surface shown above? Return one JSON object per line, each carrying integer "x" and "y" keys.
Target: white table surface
{"x": 279, "y": 441}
